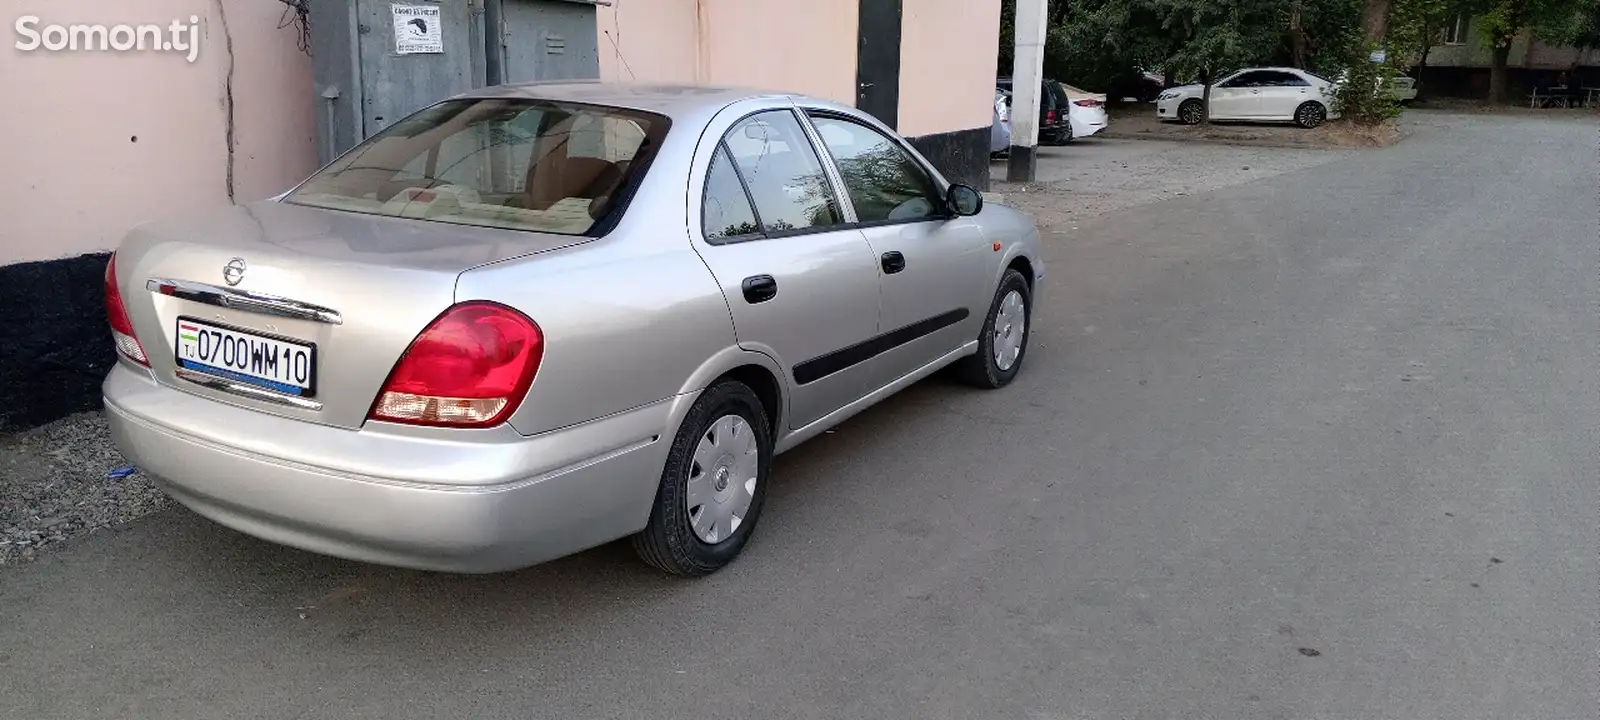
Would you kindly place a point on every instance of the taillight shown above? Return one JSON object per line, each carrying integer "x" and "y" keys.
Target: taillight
{"x": 1050, "y": 116}
{"x": 1087, "y": 103}
{"x": 470, "y": 368}
{"x": 121, "y": 325}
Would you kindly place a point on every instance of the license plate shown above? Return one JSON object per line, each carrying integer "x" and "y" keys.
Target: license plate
{"x": 286, "y": 366}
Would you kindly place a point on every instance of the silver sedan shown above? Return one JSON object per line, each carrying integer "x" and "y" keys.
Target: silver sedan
{"x": 534, "y": 319}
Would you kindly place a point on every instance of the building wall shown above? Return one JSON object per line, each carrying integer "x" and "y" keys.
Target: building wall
{"x": 947, "y": 67}
{"x": 102, "y": 142}
{"x": 1527, "y": 52}
{"x": 805, "y": 47}
{"x": 947, "y": 70}
{"x": 648, "y": 41}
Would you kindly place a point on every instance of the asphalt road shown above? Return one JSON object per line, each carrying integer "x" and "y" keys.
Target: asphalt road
{"x": 1319, "y": 445}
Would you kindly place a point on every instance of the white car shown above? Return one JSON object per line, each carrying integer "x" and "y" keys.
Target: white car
{"x": 1404, "y": 89}
{"x": 1086, "y": 112}
{"x": 1273, "y": 94}
{"x": 1000, "y": 130}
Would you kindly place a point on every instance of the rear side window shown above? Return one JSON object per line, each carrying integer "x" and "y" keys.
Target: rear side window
{"x": 726, "y": 213}
{"x": 1247, "y": 80}
{"x": 511, "y": 163}
{"x": 1282, "y": 79}
{"x": 781, "y": 168}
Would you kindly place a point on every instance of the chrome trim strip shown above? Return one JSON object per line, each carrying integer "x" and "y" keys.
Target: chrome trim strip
{"x": 244, "y": 300}
{"x": 243, "y": 390}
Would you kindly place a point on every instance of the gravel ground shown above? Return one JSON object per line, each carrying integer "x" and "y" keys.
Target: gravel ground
{"x": 1098, "y": 176}
{"x": 55, "y": 485}
{"x": 54, "y": 482}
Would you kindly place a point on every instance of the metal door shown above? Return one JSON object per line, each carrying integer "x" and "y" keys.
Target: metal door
{"x": 549, "y": 40}
{"x": 1238, "y": 97}
{"x": 1280, "y": 95}
{"x": 878, "y": 28}
{"x": 936, "y": 268}
{"x": 394, "y": 84}
{"x": 806, "y": 296}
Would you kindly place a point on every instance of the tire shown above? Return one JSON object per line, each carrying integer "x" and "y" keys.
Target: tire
{"x": 1191, "y": 112}
{"x": 985, "y": 370}
{"x": 726, "y": 425}
{"x": 1066, "y": 136}
{"x": 1310, "y": 114}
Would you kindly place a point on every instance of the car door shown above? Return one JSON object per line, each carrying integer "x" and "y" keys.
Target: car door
{"x": 933, "y": 265}
{"x": 1235, "y": 98}
{"x": 801, "y": 282}
{"x": 1280, "y": 94}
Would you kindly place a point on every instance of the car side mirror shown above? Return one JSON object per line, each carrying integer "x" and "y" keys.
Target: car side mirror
{"x": 964, "y": 200}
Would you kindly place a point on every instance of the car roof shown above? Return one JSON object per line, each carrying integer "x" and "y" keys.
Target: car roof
{"x": 673, "y": 101}
{"x": 1273, "y": 67}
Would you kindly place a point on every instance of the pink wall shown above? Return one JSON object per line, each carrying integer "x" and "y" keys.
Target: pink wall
{"x": 947, "y": 65}
{"x": 647, "y": 40}
{"x": 77, "y": 178}
{"x": 806, "y": 47}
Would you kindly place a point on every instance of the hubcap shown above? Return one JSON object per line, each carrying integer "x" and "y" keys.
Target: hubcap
{"x": 722, "y": 479}
{"x": 1010, "y": 329}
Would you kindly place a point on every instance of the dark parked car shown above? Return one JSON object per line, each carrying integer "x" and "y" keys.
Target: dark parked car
{"x": 1053, "y": 127}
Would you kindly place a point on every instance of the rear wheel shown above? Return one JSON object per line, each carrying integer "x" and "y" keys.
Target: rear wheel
{"x": 1191, "y": 112}
{"x": 1310, "y": 114}
{"x": 1004, "y": 339}
{"x": 713, "y": 485}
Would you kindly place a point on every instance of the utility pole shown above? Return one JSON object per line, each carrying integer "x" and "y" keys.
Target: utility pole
{"x": 1027, "y": 78}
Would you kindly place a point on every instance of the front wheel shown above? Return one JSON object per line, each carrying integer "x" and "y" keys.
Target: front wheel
{"x": 1310, "y": 115}
{"x": 1004, "y": 340}
{"x": 1191, "y": 112}
{"x": 713, "y": 485}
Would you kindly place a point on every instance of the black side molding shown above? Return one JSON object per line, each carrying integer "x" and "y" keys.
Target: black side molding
{"x": 818, "y": 368}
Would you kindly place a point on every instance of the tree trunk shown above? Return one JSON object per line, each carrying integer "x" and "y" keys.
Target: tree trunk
{"x": 1499, "y": 55}
{"x": 1422, "y": 62}
{"x": 1375, "y": 20}
{"x": 1297, "y": 37}
{"x": 1205, "y": 99}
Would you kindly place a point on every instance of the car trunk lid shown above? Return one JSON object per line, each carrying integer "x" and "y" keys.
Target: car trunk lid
{"x": 296, "y": 311}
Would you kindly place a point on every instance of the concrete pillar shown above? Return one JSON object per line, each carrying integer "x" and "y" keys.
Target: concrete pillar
{"x": 1027, "y": 74}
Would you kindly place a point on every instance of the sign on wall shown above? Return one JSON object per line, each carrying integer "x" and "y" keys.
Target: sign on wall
{"x": 417, "y": 29}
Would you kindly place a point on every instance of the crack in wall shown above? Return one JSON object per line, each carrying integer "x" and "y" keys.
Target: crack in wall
{"x": 227, "y": 98}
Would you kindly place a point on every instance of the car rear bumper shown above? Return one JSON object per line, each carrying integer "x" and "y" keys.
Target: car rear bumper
{"x": 523, "y": 500}
{"x": 1087, "y": 124}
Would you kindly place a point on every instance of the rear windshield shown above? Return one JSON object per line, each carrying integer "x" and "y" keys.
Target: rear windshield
{"x": 510, "y": 163}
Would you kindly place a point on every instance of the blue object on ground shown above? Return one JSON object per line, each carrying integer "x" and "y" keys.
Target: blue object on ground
{"x": 122, "y": 472}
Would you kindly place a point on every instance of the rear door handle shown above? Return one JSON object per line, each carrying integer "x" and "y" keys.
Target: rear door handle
{"x": 893, "y": 262}
{"x": 759, "y": 289}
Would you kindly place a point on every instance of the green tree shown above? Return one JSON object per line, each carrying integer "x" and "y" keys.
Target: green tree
{"x": 1414, "y": 25}
{"x": 1212, "y": 37}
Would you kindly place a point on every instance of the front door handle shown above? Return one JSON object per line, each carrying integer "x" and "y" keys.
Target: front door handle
{"x": 759, "y": 289}
{"x": 893, "y": 262}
